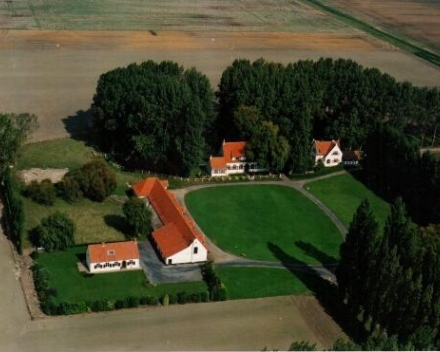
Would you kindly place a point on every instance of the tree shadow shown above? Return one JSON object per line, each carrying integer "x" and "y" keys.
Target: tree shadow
{"x": 325, "y": 291}
{"x": 117, "y": 222}
{"x": 326, "y": 260}
{"x": 33, "y": 237}
{"x": 79, "y": 126}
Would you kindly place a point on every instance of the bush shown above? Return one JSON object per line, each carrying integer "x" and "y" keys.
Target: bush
{"x": 42, "y": 193}
{"x": 152, "y": 301}
{"x": 132, "y": 302}
{"x": 137, "y": 215}
{"x": 182, "y": 297}
{"x": 93, "y": 180}
{"x": 56, "y": 232}
{"x": 165, "y": 300}
{"x": 172, "y": 298}
{"x": 217, "y": 290}
{"x": 204, "y": 296}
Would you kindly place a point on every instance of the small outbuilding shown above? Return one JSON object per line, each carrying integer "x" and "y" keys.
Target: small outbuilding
{"x": 116, "y": 256}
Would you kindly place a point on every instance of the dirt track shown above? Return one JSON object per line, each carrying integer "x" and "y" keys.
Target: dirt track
{"x": 54, "y": 73}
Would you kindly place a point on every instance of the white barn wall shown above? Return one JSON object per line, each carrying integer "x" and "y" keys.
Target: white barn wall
{"x": 187, "y": 255}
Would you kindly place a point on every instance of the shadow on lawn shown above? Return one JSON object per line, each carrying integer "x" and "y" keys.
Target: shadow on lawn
{"x": 326, "y": 260}
{"x": 117, "y": 222}
{"x": 325, "y": 291}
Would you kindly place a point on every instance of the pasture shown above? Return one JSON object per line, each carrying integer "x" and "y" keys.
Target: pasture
{"x": 344, "y": 193}
{"x": 265, "y": 222}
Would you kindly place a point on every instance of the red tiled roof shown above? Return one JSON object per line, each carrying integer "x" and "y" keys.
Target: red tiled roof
{"x": 178, "y": 231}
{"x": 217, "y": 162}
{"x": 108, "y": 252}
{"x": 143, "y": 188}
{"x": 324, "y": 147}
{"x": 233, "y": 149}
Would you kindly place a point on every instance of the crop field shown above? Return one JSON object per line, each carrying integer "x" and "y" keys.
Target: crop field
{"x": 53, "y": 52}
{"x": 204, "y": 15}
{"x": 417, "y": 20}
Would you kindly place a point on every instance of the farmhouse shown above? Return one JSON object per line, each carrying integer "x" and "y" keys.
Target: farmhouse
{"x": 232, "y": 161}
{"x": 328, "y": 152}
{"x": 178, "y": 240}
{"x": 351, "y": 157}
{"x": 115, "y": 256}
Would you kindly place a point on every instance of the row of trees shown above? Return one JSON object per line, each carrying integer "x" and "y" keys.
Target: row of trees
{"x": 392, "y": 277}
{"x": 160, "y": 116}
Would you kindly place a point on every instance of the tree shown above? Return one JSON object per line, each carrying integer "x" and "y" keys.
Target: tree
{"x": 156, "y": 115}
{"x": 93, "y": 180}
{"x": 41, "y": 192}
{"x": 358, "y": 257}
{"x": 56, "y": 232}
{"x": 137, "y": 215}
{"x": 15, "y": 130}
{"x": 264, "y": 145}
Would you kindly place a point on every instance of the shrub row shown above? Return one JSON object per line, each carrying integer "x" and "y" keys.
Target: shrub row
{"x": 217, "y": 290}
{"x": 43, "y": 192}
{"x": 14, "y": 211}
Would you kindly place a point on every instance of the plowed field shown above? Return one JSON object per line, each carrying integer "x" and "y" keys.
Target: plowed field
{"x": 417, "y": 20}
{"x": 54, "y": 73}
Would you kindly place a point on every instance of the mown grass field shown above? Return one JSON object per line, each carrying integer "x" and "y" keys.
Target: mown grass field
{"x": 282, "y": 15}
{"x": 244, "y": 283}
{"x": 344, "y": 193}
{"x": 265, "y": 222}
{"x": 72, "y": 285}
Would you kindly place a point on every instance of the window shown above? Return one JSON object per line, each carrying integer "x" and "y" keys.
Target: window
{"x": 335, "y": 153}
{"x": 111, "y": 252}
{"x": 170, "y": 261}
{"x": 336, "y": 160}
{"x": 328, "y": 161}
{"x": 196, "y": 249}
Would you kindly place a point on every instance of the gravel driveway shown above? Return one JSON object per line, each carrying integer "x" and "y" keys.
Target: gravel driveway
{"x": 157, "y": 272}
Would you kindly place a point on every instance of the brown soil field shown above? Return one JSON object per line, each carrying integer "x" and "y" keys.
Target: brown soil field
{"x": 416, "y": 20}
{"x": 54, "y": 73}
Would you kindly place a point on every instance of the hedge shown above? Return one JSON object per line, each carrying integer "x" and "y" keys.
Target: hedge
{"x": 14, "y": 211}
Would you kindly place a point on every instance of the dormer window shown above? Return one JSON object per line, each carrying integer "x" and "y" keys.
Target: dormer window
{"x": 111, "y": 252}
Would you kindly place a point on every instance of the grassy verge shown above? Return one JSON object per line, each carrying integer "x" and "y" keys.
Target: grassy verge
{"x": 265, "y": 222}
{"x": 242, "y": 283}
{"x": 344, "y": 193}
{"x": 392, "y": 39}
{"x": 72, "y": 285}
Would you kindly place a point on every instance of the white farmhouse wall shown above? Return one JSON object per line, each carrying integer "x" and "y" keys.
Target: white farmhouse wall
{"x": 111, "y": 267}
{"x": 334, "y": 157}
{"x": 188, "y": 256}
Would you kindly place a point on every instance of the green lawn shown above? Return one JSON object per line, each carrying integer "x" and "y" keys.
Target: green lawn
{"x": 72, "y": 285}
{"x": 343, "y": 194}
{"x": 242, "y": 283}
{"x": 95, "y": 222}
{"x": 265, "y": 222}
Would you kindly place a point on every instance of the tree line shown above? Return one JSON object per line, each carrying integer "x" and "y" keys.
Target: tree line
{"x": 391, "y": 277}
{"x": 162, "y": 117}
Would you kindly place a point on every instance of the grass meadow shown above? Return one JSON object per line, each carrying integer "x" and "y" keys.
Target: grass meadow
{"x": 344, "y": 193}
{"x": 72, "y": 285}
{"x": 265, "y": 222}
